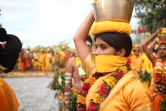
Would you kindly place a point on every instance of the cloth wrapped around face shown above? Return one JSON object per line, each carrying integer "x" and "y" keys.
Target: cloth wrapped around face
{"x": 10, "y": 52}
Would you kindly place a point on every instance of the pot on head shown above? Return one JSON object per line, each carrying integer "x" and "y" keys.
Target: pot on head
{"x": 114, "y": 10}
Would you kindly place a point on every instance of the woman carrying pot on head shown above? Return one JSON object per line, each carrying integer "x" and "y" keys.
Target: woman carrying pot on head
{"x": 111, "y": 84}
{"x": 158, "y": 87}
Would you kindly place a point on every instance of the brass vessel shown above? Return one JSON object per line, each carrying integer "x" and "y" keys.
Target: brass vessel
{"x": 162, "y": 35}
{"x": 115, "y": 10}
{"x": 162, "y": 38}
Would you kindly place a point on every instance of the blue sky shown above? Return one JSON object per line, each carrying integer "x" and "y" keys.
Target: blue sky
{"x": 45, "y": 22}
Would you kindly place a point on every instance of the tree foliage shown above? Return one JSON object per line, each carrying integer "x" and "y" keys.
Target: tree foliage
{"x": 151, "y": 13}
{"x": 141, "y": 37}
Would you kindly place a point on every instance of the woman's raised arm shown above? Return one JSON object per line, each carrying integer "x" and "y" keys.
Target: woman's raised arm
{"x": 81, "y": 35}
{"x": 147, "y": 41}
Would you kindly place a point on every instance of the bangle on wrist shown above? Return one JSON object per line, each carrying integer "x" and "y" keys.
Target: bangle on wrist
{"x": 67, "y": 102}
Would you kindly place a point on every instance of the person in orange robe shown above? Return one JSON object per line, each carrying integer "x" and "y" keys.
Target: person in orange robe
{"x": 20, "y": 64}
{"x": 159, "y": 64}
{"x": 27, "y": 59}
{"x": 113, "y": 46}
{"x": 9, "y": 53}
{"x": 8, "y": 100}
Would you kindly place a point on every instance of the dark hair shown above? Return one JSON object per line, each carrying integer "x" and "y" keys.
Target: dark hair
{"x": 9, "y": 54}
{"x": 117, "y": 41}
{"x": 89, "y": 39}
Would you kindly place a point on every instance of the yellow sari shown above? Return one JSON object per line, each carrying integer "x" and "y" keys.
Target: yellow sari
{"x": 127, "y": 95}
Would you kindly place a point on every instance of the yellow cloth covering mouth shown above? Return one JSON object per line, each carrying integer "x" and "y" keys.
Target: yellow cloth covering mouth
{"x": 109, "y": 63}
{"x": 110, "y": 26}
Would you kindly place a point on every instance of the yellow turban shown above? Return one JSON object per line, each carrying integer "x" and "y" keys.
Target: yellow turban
{"x": 110, "y": 26}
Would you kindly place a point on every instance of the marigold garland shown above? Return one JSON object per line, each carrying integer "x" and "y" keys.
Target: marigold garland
{"x": 103, "y": 92}
{"x": 160, "y": 85}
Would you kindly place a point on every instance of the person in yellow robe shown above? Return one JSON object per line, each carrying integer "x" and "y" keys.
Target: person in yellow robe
{"x": 142, "y": 65}
{"x": 9, "y": 54}
{"x": 41, "y": 61}
{"x": 35, "y": 59}
{"x": 48, "y": 60}
{"x": 147, "y": 72}
{"x": 111, "y": 84}
{"x": 136, "y": 58}
{"x": 62, "y": 61}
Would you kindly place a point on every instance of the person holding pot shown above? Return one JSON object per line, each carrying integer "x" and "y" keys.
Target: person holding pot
{"x": 158, "y": 87}
{"x": 111, "y": 84}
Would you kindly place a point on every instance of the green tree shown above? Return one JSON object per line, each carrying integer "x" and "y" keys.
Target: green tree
{"x": 151, "y": 13}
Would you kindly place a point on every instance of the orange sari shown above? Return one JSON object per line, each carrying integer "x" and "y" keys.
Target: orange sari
{"x": 8, "y": 100}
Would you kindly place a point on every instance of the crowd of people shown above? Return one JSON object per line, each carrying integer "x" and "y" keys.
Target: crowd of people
{"x": 42, "y": 58}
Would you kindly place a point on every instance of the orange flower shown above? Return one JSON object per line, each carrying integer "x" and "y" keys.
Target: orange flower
{"x": 80, "y": 99}
{"x": 98, "y": 98}
{"x": 74, "y": 90}
{"x": 91, "y": 80}
{"x": 62, "y": 96}
{"x": 63, "y": 69}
